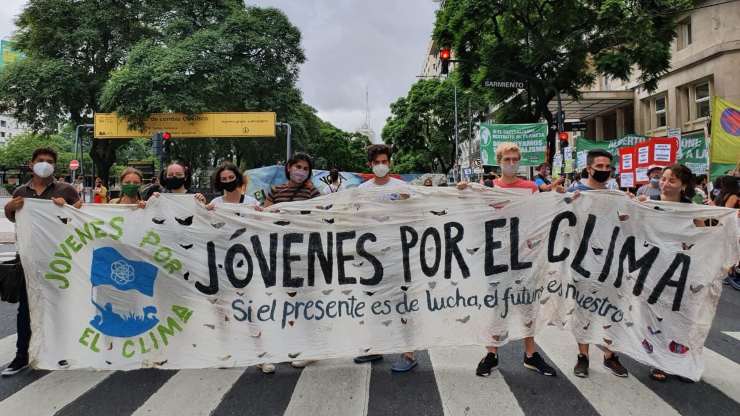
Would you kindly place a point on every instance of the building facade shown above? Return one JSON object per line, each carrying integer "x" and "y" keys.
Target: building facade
{"x": 9, "y": 127}
{"x": 705, "y": 63}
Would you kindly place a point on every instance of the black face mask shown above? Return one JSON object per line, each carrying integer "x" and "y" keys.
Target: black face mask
{"x": 174, "y": 183}
{"x": 601, "y": 175}
{"x": 228, "y": 186}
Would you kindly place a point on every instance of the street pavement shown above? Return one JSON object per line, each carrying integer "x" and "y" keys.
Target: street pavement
{"x": 444, "y": 383}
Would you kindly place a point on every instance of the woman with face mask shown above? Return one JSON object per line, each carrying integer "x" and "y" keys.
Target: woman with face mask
{"x": 174, "y": 179}
{"x": 131, "y": 180}
{"x": 229, "y": 180}
{"x": 299, "y": 186}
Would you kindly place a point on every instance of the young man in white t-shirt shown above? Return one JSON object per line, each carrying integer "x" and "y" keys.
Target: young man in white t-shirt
{"x": 379, "y": 159}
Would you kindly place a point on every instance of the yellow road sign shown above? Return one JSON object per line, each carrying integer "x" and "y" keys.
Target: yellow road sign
{"x": 110, "y": 126}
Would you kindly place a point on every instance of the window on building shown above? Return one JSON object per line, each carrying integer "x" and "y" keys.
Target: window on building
{"x": 2, "y": 134}
{"x": 701, "y": 99}
{"x": 660, "y": 112}
{"x": 684, "y": 33}
{"x": 2, "y": 123}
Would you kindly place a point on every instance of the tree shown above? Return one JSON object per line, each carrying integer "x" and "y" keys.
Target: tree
{"x": 421, "y": 125}
{"x": 18, "y": 150}
{"x": 137, "y": 57}
{"x": 220, "y": 56}
{"x": 71, "y": 48}
{"x": 555, "y": 46}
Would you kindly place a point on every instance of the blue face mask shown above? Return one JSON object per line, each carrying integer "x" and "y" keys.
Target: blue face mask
{"x": 654, "y": 181}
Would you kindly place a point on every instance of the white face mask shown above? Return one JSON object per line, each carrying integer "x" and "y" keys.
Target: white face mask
{"x": 510, "y": 170}
{"x": 43, "y": 169}
{"x": 380, "y": 170}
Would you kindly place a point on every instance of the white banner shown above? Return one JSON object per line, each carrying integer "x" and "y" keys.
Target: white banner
{"x": 177, "y": 286}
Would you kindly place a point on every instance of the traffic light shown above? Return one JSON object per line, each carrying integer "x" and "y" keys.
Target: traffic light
{"x": 166, "y": 142}
{"x": 444, "y": 57}
{"x": 563, "y": 138}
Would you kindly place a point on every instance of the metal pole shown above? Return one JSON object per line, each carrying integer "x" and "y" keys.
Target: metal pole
{"x": 456, "y": 176}
{"x": 289, "y": 150}
{"x": 470, "y": 136}
{"x": 561, "y": 127}
{"x": 79, "y": 145}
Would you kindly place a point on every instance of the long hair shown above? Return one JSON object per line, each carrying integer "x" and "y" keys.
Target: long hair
{"x": 687, "y": 178}
{"x": 227, "y": 166}
{"x": 295, "y": 159}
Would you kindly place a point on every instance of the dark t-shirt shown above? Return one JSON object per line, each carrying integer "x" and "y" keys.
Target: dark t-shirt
{"x": 53, "y": 190}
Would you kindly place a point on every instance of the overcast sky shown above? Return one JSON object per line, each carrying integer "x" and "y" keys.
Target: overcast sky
{"x": 349, "y": 44}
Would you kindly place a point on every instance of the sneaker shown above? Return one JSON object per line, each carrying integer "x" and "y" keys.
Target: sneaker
{"x": 538, "y": 364}
{"x": 581, "y": 368}
{"x": 266, "y": 368}
{"x": 488, "y": 363}
{"x": 16, "y": 366}
{"x": 613, "y": 364}
{"x": 404, "y": 364}
{"x": 368, "y": 358}
{"x": 735, "y": 283}
{"x": 301, "y": 363}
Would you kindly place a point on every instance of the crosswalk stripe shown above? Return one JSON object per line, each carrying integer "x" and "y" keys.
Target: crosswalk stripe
{"x": 7, "y": 348}
{"x": 721, "y": 373}
{"x": 331, "y": 387}
{"x": 606, "y": 392}
{"x": 735, "y": 335}
{"x": 51, "y": 393}
{"x": 191, "y": 392}
{"x": 464, "y": 393}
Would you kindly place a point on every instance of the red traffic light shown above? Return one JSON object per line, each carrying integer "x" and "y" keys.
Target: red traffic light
{"x": 563, "y": 136}
{"x": 166, "y": 136}
{"x": 444, "y": 54}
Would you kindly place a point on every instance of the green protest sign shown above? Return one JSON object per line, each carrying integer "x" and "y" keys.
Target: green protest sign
{"x": 531, "y": 138}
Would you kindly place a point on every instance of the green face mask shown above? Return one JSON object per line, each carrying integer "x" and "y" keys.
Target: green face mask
{"x": 130, "y": 189}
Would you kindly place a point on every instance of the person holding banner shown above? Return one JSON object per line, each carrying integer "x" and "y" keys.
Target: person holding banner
{"x": 228, "y": 180}
{"x": 41, "y": 186}
{"x": 131, "y": 180}
{"x": 542, "y": 179}
{"x": 651, "y": 189}
{"x": 379, "y": 159}
{"x": 176, "y": 179}
{"x": 299, "y": 187}
{"x": 508, "y": 156}
{"x": 598, "y": 164}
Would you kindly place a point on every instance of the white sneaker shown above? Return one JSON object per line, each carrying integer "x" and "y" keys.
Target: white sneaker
{"x": 301, "y": 363}
{"x": 267, "y": 368}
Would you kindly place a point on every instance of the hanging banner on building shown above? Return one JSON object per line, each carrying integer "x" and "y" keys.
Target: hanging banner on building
{"x": 177, "y": 286}
{"x": 694, "y": 152}
{"x": 531, "y": 138}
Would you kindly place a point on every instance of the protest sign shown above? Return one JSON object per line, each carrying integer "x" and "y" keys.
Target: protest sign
{"x": 531, "y": 139}
{"x": 175, "y": 285}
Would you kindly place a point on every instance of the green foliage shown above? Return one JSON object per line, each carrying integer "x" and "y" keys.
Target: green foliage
{"x": 421, "y": 125}
{"x": 18, "y": 150}
{"x": 555, "y": 45}
{"x": 137, "y": 57}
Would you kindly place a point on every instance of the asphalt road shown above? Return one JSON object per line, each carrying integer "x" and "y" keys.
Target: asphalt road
{"x": 443, "y": 384}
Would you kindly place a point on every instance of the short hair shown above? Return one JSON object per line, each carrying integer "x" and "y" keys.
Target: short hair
{"x": 543, "y": 165}
{"x": 131, "y": 171}
{"x": 593, "y": 154}
{"x": 584, "y": 173}
{"x": 506, "y": 147}
{"x": 376, "y": 150}
{"x": 44, "y": 151}
{"x": 227, "y": 166}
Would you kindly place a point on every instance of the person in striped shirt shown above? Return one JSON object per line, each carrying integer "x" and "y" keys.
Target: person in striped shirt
{"x": 299, "y": 186}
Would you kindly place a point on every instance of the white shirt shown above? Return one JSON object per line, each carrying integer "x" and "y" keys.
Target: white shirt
{"x": 393, "y": 184}
{"x": 248, "y": 200}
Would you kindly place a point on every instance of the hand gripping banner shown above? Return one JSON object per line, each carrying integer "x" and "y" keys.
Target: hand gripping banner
{"x": 177, "y": 286}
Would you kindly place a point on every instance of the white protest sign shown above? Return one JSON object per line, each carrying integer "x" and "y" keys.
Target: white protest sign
{"x": 627, "y": 180}
{"x": 177, "y": 286}
{"x": 662, "y": 152}
{"x": 641, "y": 175}
{"x": 582, "y": 158}
{"x": 643, "y": 155}
{"x": 626, "y": 161}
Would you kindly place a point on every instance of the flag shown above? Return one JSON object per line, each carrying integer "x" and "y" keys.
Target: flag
{"x": 725, "y": 146}
{"x": 109, "y": 267}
